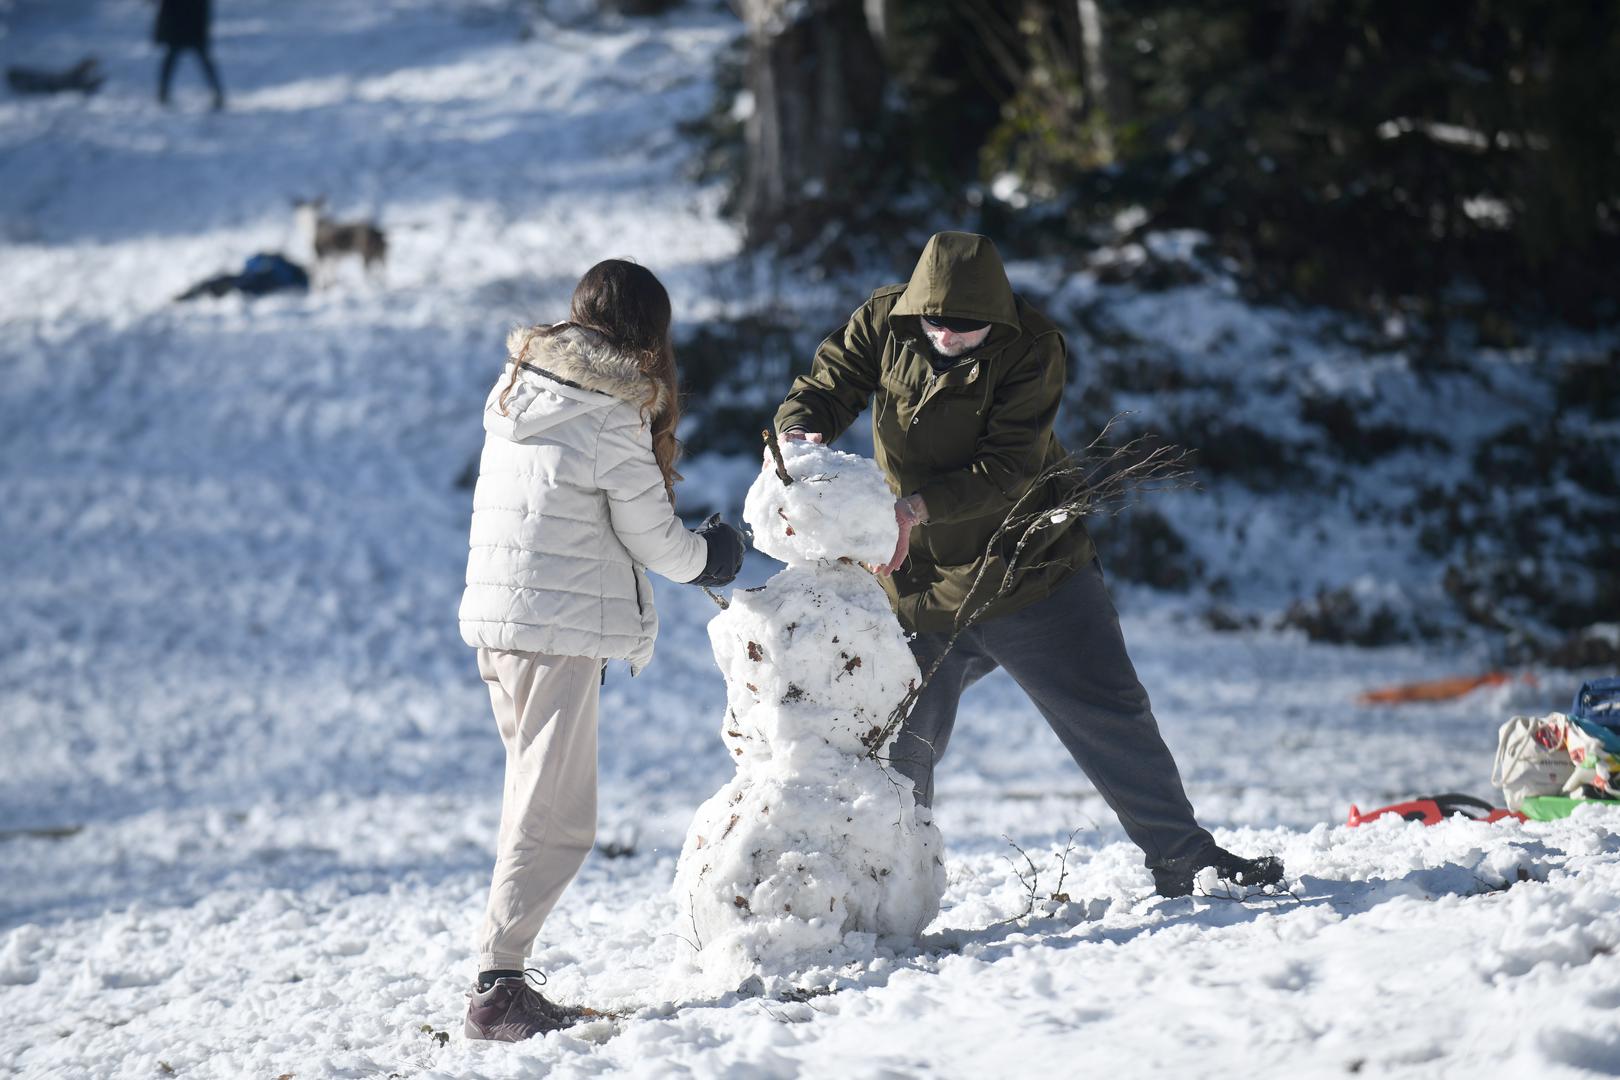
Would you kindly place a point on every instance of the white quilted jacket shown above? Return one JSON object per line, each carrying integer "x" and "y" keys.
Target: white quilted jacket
{"x": 570, "y": 507}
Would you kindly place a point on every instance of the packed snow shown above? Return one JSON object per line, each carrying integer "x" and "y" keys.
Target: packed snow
{"x": 837, "y": 506}
{"x": 250, "y": 785}
{"x": 815, "y": 851}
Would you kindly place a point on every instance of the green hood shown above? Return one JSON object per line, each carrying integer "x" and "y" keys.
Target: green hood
{"x": 972, "y": 440}
{"x": 959, "y": 276}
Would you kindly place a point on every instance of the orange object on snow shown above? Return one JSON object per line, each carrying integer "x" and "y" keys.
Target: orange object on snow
{"x": 1435, "y": 689}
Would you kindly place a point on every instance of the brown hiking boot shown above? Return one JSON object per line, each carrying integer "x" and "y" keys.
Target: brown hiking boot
{"x": 511, "y": 1010}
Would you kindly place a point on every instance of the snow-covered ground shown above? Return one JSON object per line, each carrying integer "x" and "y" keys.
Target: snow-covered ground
{"x": 249, "y": 781}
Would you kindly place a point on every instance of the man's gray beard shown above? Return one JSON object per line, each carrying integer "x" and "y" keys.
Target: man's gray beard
{"x": 950, "y": 354}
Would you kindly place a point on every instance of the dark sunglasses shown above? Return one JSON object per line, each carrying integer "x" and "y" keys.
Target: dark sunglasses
{"x": 955, "y": 326}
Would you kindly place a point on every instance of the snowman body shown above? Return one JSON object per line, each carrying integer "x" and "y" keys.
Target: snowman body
{"x": 814, "y": 839}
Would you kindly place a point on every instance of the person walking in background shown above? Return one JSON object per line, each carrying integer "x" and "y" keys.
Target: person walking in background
{"x": 185, "y": 25}
{"x": 575, "y": 498}
{"x": 965, "y": 378}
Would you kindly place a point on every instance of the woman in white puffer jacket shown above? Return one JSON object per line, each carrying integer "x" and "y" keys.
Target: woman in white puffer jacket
{"x": 575, "y": 500}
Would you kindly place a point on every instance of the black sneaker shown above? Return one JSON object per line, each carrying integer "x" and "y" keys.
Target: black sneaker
{"x": 512, "y": 1010}
{"x": 1176, "y": 878}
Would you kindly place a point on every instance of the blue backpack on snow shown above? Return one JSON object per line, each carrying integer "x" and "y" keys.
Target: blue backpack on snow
{"x": 268, "y": 272}
{"x": 1597, "y": 711}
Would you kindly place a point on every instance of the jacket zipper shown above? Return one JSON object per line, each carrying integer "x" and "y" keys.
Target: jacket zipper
{"x": 933, "y": 387}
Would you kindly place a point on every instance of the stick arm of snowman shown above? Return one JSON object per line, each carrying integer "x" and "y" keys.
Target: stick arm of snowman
{"x": 1102, "y": 478}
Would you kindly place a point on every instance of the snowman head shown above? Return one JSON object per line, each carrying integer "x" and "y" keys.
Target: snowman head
{"x": 838, "y": 506}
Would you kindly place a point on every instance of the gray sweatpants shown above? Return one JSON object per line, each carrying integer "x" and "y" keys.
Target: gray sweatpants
{"x": 1068, "y": 655}
{"x": 546, "y": 710}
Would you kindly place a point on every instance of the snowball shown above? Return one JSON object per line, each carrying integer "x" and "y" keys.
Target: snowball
{"x": 838, "y": 506}
{"x": 776, "y": 873}
{"x": 17, "y": 966}
{"x": 813, "y": 661}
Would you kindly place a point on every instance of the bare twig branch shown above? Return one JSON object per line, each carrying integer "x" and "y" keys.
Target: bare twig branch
{"x": 776, "y": 453}
{"x": 1102, "y": 479}
{"x": 1030, "y": 883}
{"x": 716, "y": 597}
{"x": 1063, "y": 867}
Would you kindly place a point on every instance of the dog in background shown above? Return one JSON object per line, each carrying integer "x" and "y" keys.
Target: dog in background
{"x": 332, "y": 240}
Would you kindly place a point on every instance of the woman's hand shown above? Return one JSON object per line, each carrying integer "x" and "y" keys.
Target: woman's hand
{"x": 725, "y": 553}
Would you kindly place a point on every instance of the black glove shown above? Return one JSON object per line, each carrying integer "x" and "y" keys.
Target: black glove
{"x": 725, "y": 553}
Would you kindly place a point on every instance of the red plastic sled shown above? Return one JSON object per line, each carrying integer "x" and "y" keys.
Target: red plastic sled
{"x": 1433, "y": 809}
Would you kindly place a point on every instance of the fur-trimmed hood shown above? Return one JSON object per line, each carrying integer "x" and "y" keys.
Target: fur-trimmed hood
{"x": 585, "y": 358}
{"x": 570, "y": 507}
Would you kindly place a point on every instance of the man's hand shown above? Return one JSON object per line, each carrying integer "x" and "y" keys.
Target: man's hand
{"x": 797, "y": 435}
{"x": 908, "y": 512}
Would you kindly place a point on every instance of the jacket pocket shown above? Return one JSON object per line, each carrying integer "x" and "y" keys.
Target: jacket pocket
{"x": 955, "y": 596}
{"x": 638, "y": 583}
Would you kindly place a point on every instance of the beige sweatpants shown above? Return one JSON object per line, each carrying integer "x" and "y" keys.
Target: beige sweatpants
{"x": 545, "y": 708}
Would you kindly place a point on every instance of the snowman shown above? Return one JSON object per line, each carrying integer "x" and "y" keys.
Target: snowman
{"x": 814, "y": 853}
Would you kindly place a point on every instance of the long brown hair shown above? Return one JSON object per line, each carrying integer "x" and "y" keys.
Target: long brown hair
{"x": 626, "y": 305}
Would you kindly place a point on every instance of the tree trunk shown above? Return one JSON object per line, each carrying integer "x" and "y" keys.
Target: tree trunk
{"x": 817, "y": 81}
{"x": 1102, "y": 98}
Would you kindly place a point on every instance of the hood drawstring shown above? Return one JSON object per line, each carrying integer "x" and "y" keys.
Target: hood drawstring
{"x": 517, "y": 363}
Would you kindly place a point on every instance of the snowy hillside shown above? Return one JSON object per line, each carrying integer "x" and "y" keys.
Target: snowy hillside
{"x": 250, "y": 785}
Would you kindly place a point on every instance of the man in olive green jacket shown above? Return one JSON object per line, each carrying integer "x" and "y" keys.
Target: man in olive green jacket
{"x": 964, "y": 379}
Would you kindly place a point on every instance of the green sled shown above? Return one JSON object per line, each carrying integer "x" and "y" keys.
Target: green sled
{"x": 1553, "y": 807}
